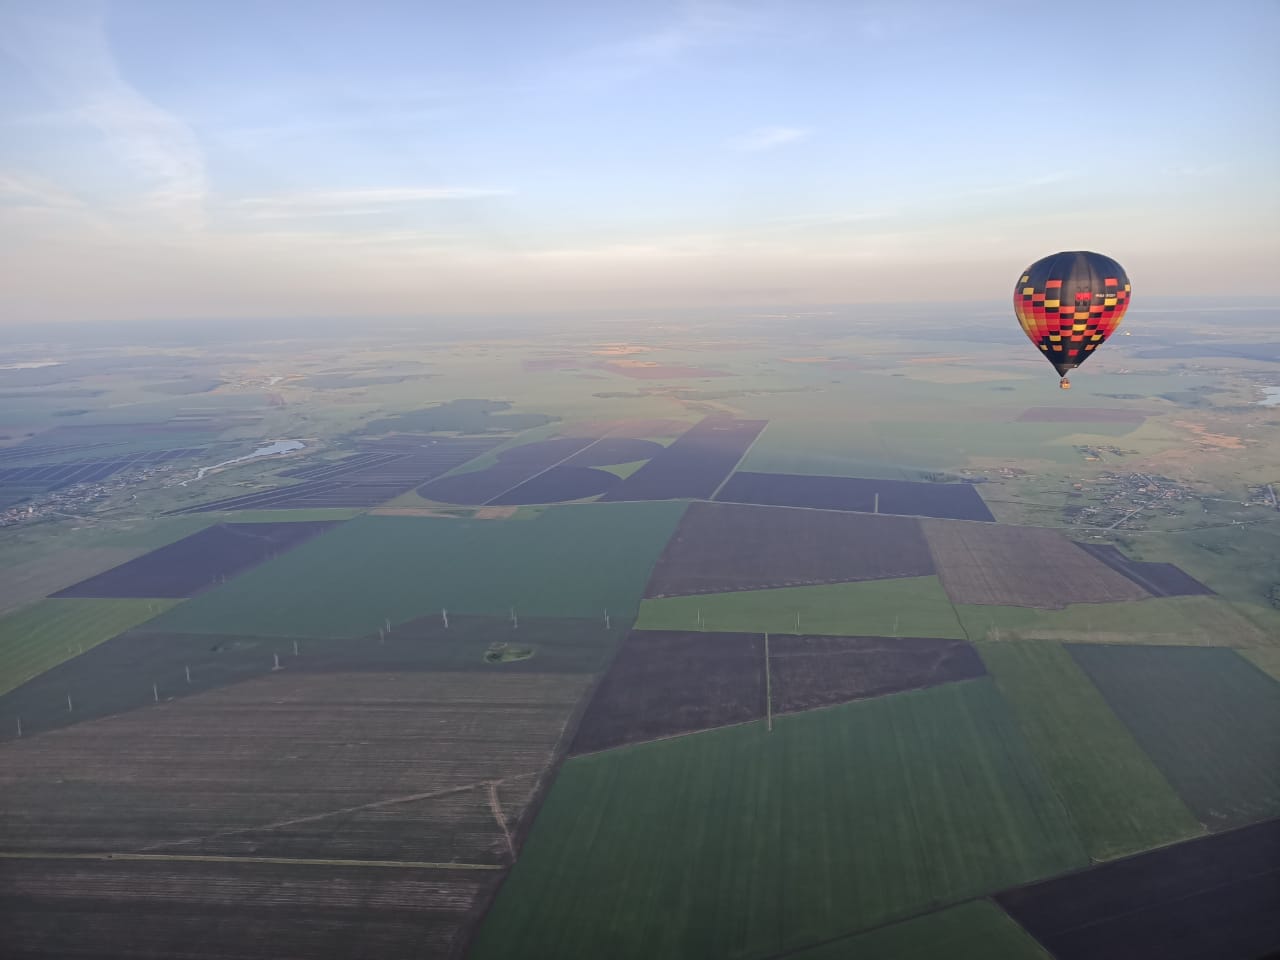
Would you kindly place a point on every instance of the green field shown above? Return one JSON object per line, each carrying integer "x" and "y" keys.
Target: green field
{"x": 1180, "y": 621}
{"x": 1267, "y": 659}
{"x": 978, "y": 930}
{"x": 909, "y": 607}
{"x": 42, "y": 636}
{"x": 1238, "y": 561}
{"x": 1118, "y": 799}
{"x": 1209, "y": 719}
{"x": 740, "y": 842}
{"x": 568, "y": 561}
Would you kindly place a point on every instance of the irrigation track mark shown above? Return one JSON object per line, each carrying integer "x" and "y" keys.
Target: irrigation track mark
{"x": 389, "y": 802}
{"x": 283, "y": 861}
{"x": 496, "y": 806}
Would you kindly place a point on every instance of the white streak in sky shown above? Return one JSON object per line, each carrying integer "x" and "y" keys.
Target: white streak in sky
{"x": 766, "y": 138}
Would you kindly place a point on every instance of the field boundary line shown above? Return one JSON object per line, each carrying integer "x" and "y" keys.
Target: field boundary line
{"x": 212, "y": 858}
{"x": 311, "y": 818}
{"x": 768, "y": 688}
{"x": 737, "y": 463}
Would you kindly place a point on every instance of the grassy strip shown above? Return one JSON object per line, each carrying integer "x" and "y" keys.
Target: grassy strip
{"x": 907, "y": 607}
{"x": 1181, "y": 621}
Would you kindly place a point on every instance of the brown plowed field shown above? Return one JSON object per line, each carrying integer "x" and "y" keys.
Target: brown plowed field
{"x": 1020, "y": 566}
{"x": 147, "y": 910}
{"x": 1214, "y": 898}
{"x": 808, "y": 672}
{"x": 299, "y": 754}
{"x": 667, "y": 682}
{"x": 727, "y": 546}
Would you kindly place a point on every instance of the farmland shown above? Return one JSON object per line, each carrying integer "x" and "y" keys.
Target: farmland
{"x": 568, "y": 561}
{"x": 694, "y": 465}
{"x": 557, "y": 485}
{"x": 41, "y": 636}
{"x": 664, "y": 683}
{"x": 977, "y": 930}
{"x": 348, "y": 748}
{"x": 817, "y": 671}
{"x": 294, "y": 762}
{"x": 720, "y": 547}
{"x": 1158, "y": 579}
{"x": 1118, "y": 800}
{"x": 912, "y": 606}
{"x": 839, "y": 820}
{"x": 199, "y": 562}
{"x": 1208, "y": 719}
{"x": 1207, "y": 899}
{"x": 1182, "y": 621}
{"x": 959, "y": 501}
{"x": 212, "y": 910}
{"x": 514, "y": 466}
{"x": 1020, "y": 566}
{"x": 139, "y": 667}
{"x": 384, "y": 470}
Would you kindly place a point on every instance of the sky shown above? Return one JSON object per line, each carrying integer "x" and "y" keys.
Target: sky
{"x": 184, "y": 160}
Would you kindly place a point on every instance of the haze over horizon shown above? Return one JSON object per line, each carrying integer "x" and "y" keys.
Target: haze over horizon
{"x": 176, "y": 161}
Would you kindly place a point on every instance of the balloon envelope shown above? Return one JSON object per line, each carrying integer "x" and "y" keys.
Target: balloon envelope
{"x": 1070, "y": 303}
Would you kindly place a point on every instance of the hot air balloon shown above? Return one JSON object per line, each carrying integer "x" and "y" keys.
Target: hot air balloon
{"x": 1069, "y": 303}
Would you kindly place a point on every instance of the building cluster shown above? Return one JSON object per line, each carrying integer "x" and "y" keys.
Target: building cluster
{"x": 80, "y": 498}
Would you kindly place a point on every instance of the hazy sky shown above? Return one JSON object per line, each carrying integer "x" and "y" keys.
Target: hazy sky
{"x": 192, "y": 158}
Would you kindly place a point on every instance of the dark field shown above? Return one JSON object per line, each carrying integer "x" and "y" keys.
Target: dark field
{"x": 615, "y": 450}
{"x": 1081, "y": 415}
{"x": 117, "y": 676}
{"x": 721, "y": 547}
{"x": 664, "y": 683}
{"x": 407, "y": 767}
{"x": 694, "y": 465}
{"x": 1020, "y": 566}
{"x": 161, "y": 910}
{"x": 513, "y": 468}
{"x": 386, "y": 469}
{"x": 1208, "y": 718}
{"x": 809, "y": 671}
{"x": 557, "y": 485}
{"x": 198, "y": 562}
{"x": 1158, "y": 579}
{"x": 958, "y": 501}
{"x": 1210, "y": 899}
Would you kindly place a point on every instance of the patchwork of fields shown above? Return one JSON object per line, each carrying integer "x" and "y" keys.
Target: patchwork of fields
{"x": 780, "y": 692}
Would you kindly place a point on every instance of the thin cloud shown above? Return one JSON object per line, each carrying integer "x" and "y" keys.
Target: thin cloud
{"x": 767, "y": 138}
{"x": 346, "y": 203}
{"x": 72, "y": 59}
